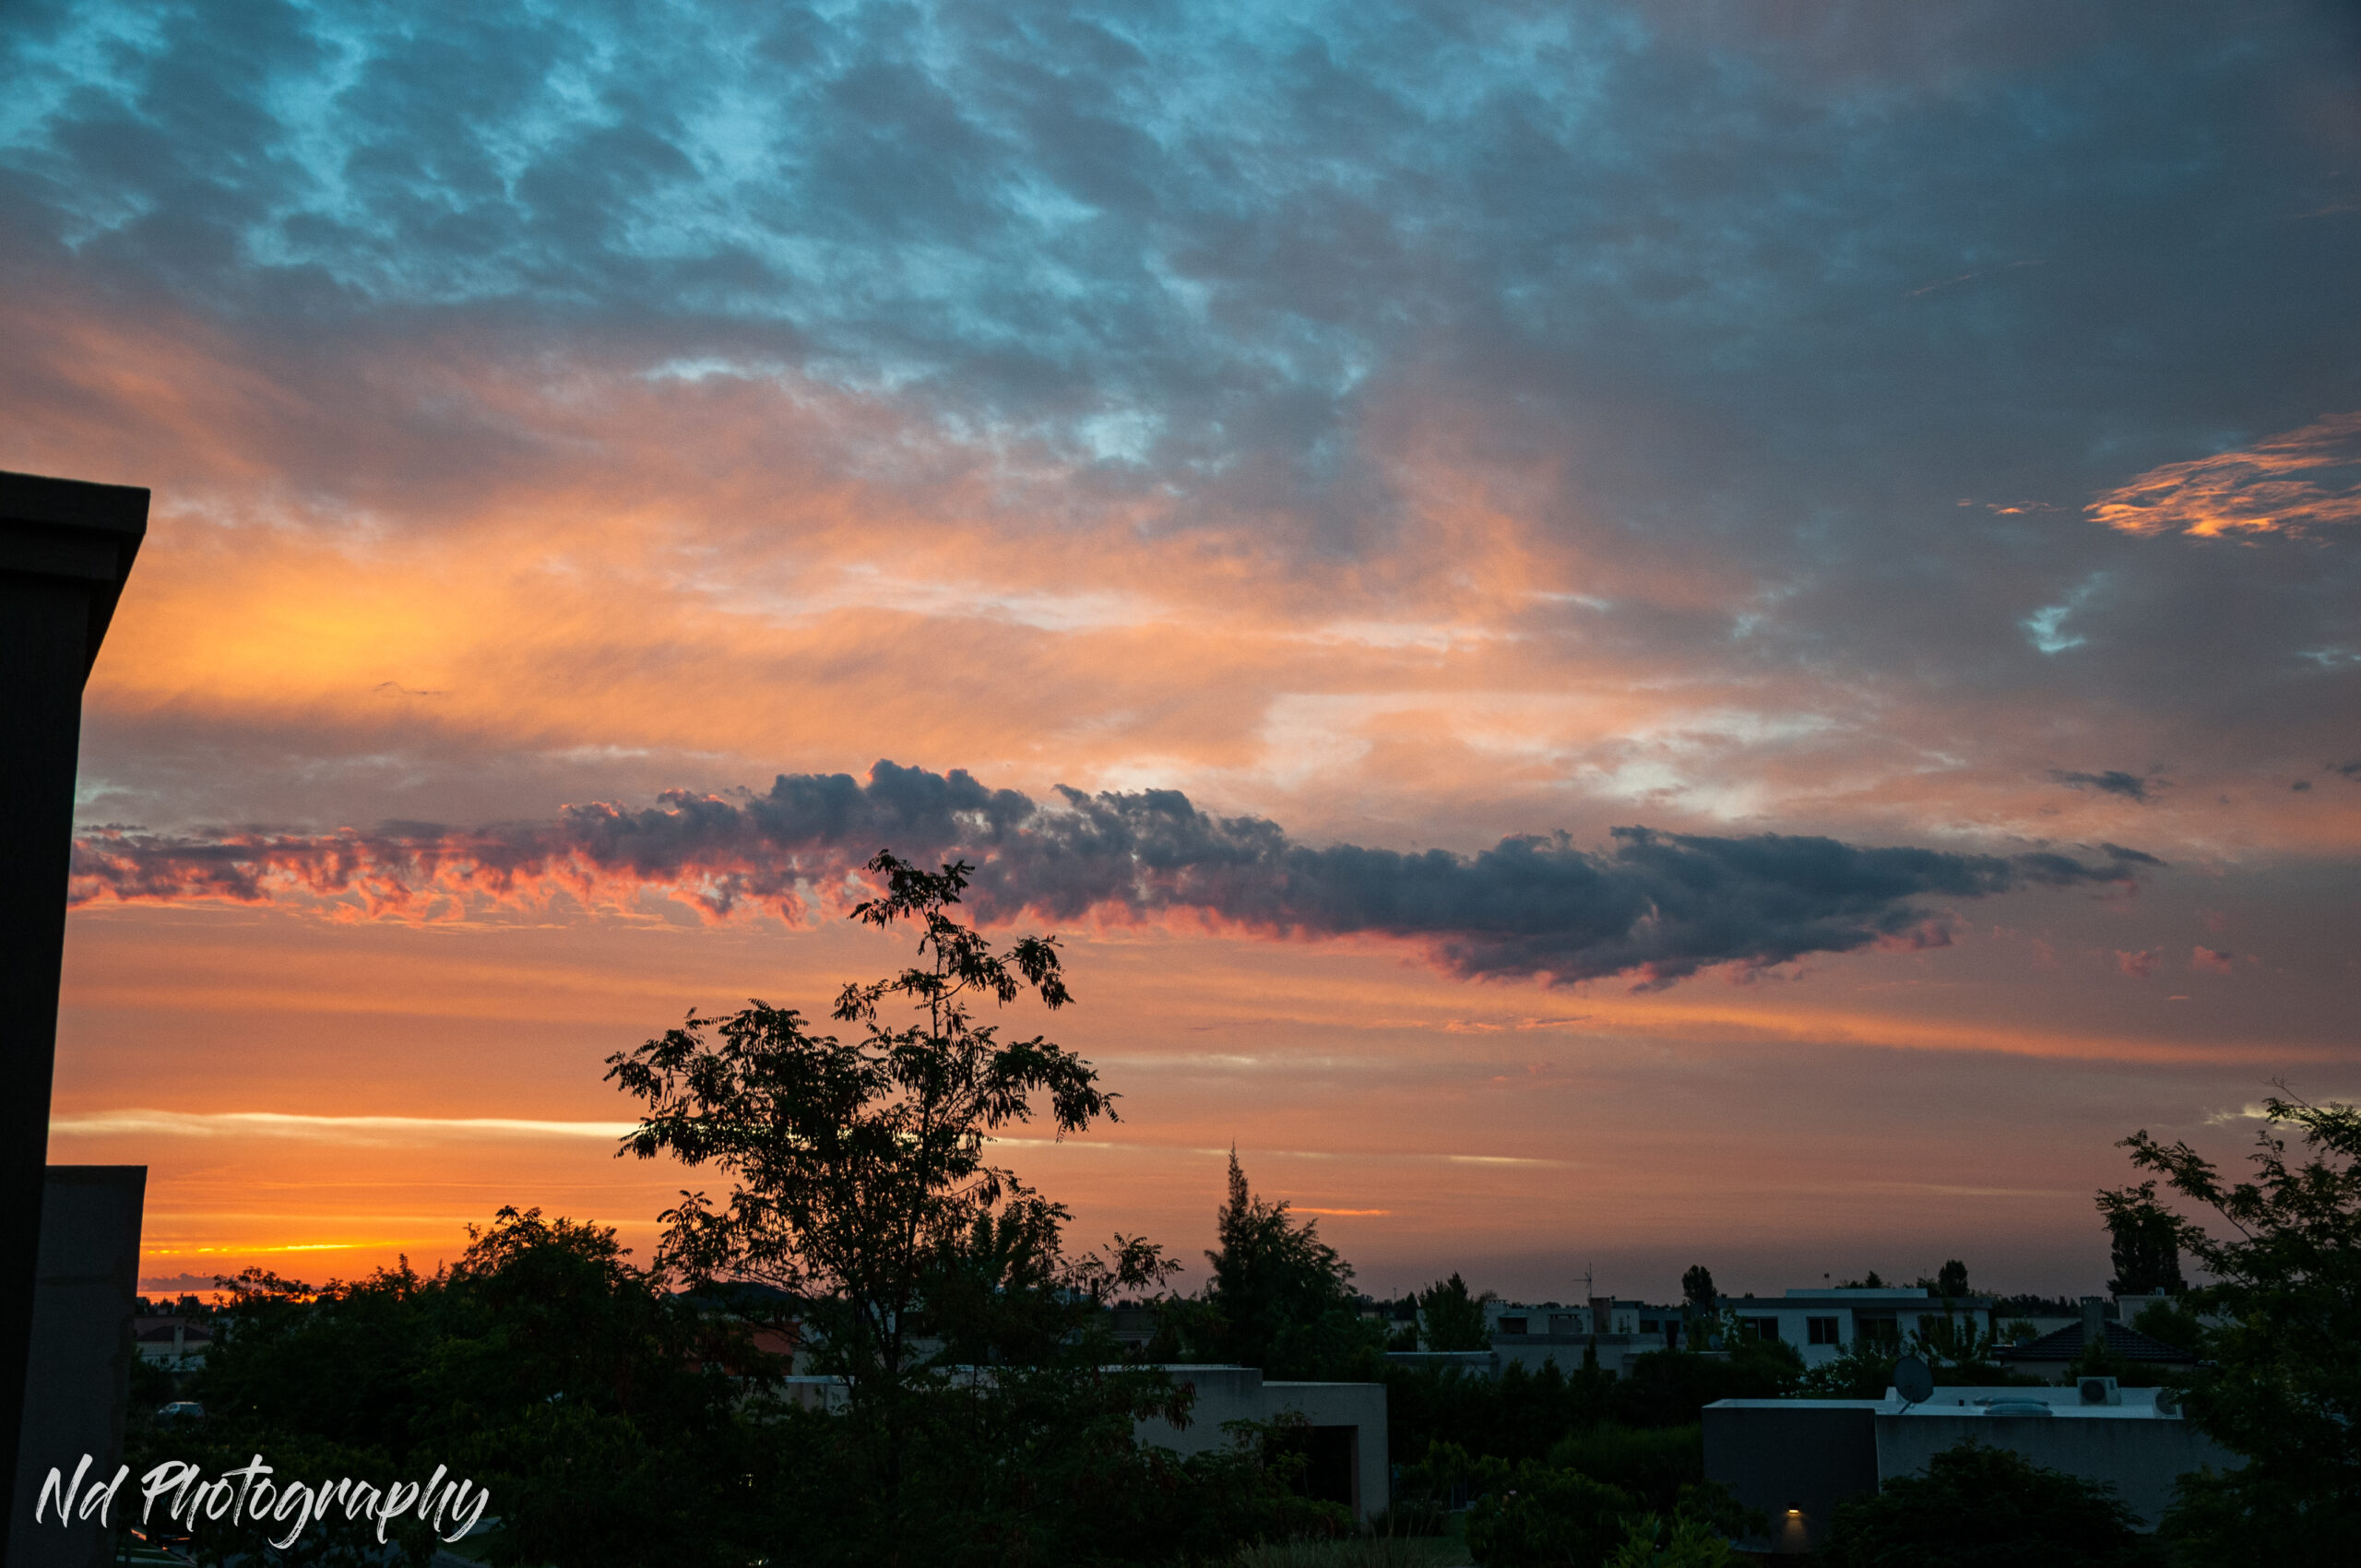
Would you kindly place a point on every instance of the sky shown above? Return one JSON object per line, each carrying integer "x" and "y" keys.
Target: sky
{"x": 1615, "y": 634}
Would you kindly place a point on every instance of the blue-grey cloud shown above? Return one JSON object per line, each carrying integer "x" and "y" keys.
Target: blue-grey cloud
{"x": 1659, "y": 906}
{"x": 1864, "y": 313}
{"x": 2114, "y": 782}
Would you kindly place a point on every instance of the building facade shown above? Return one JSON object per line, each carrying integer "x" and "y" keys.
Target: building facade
{"x": 1821, "y": 1324}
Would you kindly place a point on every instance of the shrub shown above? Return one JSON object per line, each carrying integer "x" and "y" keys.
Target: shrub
{"x": 1978, "y": 1507}
{"x": 1547, "y": 1516}
{"x": 1652, "y": 1541}
{"x": 1652, "y": 1464}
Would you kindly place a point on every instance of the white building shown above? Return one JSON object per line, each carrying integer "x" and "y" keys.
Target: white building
{"x": 1822, "y": 1323}
{"x": 1796, "y": 1460}
{"x": 1620, "y": 1332}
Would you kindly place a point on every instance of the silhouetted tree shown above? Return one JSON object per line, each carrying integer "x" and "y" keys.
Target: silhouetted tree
{"x": 1451, "y": 1319}
{"x": 1281, "y": 1298}
{"x": 1697, "y": 1288}
{"x": 2284, "y": 1315}
{"x": 861, "y": 1188}
{"x": 2143, "y": 1243}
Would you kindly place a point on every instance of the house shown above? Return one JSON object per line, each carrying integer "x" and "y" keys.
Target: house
{"x": 1344, "y": 1434}
{"x": 1796, "y": 1459}
{"x": 2055, "y": 1355}
{"x": 1600, "y": 1314}
{"x": 1822, "y": 1323}
{"x": 1528, "y": 1335}
{"x": 172, "y": 1340}
{"x": 1343, "y": 1424}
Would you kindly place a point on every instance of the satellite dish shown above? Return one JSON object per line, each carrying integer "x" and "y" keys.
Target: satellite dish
{"x": 1912, "y": 1381}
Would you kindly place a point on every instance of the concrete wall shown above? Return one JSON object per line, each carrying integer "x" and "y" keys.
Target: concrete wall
{"x": 2140, "y": 1456}
{"x": 1794, "y": 1459}
{"x": 1233, "y": 1394}
{"x": 79, "y": 1374}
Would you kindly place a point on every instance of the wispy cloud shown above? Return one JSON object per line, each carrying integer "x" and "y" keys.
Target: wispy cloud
{"x": 2292, "y": 483}
{"x": 282, "y": 1124}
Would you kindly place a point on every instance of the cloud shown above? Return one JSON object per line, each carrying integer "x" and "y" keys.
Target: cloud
{"x": 178, "y": 1284}
{"x": 2207, "y": 961}
{"x": 2292, "y": 483}
{"x": 2113, "y": 782}
{"x": 1655, "y": 905}
{"x": 280, "y": 1124}
{"x": 2139, "y": 966}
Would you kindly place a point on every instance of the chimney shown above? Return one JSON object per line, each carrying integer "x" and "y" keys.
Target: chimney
{"x": 2094, "y": 1319}
{"x": 1602, "y": 1315}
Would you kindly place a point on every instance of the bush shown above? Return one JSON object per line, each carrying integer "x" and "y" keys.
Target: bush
{"x": 1652, "y": 1464}
{"x": 1547, "y": 1516}
{"x": 1978, "y": 1507}
{"x": 1667, "y": 1388}
{"x": 1650, "y": 1541}
{"x": 1515, "y": 1416}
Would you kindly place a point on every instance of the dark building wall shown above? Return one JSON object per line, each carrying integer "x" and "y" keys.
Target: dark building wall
{"x": 1796, "y": 1463}
{"x": 65, "y": 549}
{"x": 79, "y": 1372}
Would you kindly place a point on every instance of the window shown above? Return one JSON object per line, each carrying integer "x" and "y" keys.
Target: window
{"x": 1562, "y": 1323}
{"x": 1821, "y": 1330}
{"x": 1882, "y": 1330}
{"x": 1761, "y": 1328}
{"x": 1512, "y": 1325}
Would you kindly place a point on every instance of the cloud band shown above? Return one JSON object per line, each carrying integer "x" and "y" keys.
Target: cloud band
{"x": 1654, "y": 905}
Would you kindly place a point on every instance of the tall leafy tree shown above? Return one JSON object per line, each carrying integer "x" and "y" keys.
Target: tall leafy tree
{"x": 1451, "y": 1319}
{"x": 2143, "y": 1243}
{"x": 2285, "y": 1307}
{"x": 1281, "y": 1298}
{"x": 861, "y": 1189}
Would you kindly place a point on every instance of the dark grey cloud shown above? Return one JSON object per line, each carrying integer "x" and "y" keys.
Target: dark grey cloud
{"x": 1655, "y": 906}
{"x": 2114, "y": 782}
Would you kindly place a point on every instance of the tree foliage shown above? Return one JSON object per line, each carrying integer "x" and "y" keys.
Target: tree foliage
{"x": 1452, "y": 1319}
{"x": 859, "y": 1168}
{"x": 1641, "y": 1496}
{"x": 2144, "y": 1242}
{"x": 542, "y": 1365}
{"x": 2285, "y": 1306}
{"x": 1978, "y": 1507}
{"x": 1279, "y": 1298}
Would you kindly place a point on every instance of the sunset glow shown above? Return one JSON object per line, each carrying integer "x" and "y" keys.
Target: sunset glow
{"x": 1613, "y": 639}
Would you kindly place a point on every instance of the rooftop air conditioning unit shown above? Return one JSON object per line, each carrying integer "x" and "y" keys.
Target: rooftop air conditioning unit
{"x": 2100, "y": 1391}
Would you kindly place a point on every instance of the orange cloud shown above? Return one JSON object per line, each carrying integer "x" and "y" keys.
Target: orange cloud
{"x": 2289, "y": 483}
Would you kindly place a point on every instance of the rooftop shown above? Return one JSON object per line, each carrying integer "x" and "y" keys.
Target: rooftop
{"x": 2066, "y": 1344}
